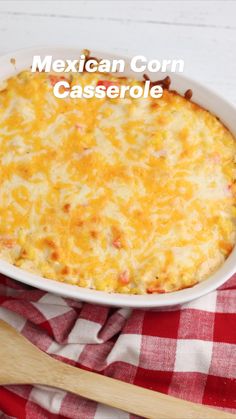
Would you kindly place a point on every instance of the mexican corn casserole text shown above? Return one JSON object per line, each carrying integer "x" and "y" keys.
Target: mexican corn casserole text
{"x": 122, "y": 195}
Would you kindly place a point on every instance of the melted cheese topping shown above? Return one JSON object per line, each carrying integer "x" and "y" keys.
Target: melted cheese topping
{"x": 125, "y": 195}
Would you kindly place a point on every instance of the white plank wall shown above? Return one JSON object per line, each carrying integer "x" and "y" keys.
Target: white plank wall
{"x": 203, "y": 33}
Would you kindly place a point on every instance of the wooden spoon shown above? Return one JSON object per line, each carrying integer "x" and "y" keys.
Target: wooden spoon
{"x": 24, "y": 363}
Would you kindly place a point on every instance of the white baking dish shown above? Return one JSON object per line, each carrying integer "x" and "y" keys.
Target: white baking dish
{"x": 201, "y": 95}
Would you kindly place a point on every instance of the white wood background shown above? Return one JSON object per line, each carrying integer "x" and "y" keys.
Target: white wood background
{"x": 203, "y": 33}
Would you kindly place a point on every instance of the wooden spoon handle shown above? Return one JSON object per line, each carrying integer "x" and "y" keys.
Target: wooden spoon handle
{"x": 128, "y": 397}
{"x": 24, "y": 363}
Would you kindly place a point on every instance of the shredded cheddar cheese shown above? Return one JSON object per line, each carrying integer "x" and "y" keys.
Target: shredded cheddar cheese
{"x": 123, "y": 195}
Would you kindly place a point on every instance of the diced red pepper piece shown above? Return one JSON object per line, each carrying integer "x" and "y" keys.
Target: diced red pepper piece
{"x": 55, "y": 79}
{"x": 7, "y": 242}
{"x": 152, "y": 290}
{"x": 117, "y": 243}
{"x": 79, "y": 127}
{"x": 124, "y": 277}
{"x": 107, "y": 83}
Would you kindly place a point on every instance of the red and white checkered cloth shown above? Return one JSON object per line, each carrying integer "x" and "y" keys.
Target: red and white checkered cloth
{"x": 187, "y": 352}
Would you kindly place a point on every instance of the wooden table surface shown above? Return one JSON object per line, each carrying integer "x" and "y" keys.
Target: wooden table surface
{"x": 203, "y": 33}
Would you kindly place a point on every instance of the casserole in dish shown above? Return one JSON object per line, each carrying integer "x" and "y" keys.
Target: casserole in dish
{"x": 130, "y": 196}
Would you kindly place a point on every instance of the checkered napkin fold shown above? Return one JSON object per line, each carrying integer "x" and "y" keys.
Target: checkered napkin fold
{"x": 188, "y": 351}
